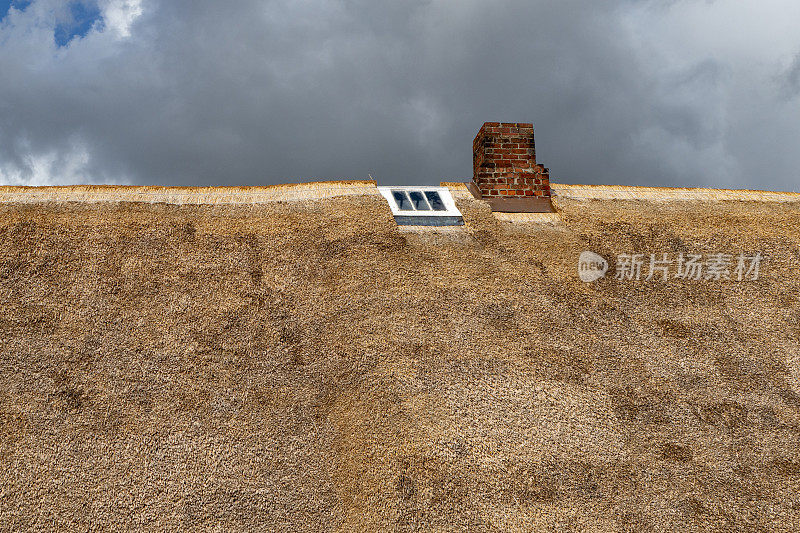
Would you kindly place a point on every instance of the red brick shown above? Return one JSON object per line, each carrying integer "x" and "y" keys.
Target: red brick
{"x": 504, "y": 161}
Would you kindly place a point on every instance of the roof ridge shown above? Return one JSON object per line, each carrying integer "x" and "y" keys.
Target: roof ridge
{"x": 640, "y": 192}
{"x": 312, "y": 190}
{"x": 187, "y": 195}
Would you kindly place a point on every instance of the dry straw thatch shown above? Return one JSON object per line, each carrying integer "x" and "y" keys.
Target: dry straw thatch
{"x": 308, "y": 366}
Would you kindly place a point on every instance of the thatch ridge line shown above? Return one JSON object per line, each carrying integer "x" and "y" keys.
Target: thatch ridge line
{"x": 330, "y": 189}
{"x": 628, "y": 192}
{"x": 187, "y": 195}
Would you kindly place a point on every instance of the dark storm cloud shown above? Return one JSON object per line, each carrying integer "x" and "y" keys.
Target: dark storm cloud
{"x": 256, "y": 92}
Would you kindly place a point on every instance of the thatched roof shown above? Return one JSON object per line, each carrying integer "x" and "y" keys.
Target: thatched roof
{"x": 291, "y": 360}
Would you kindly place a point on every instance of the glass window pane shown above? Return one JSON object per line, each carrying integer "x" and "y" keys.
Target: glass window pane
{"x": 401, "y": 199}
{"x": 419, "y": 201}
{"x": 435, "y": 200}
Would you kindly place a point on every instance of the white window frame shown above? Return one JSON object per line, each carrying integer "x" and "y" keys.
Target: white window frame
{"x": 444, "y": 193}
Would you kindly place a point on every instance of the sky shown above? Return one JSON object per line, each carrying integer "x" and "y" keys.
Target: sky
{"x": 696, "y": 93}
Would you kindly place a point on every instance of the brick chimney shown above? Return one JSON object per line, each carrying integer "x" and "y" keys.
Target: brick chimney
{"x": 505, "y": 170}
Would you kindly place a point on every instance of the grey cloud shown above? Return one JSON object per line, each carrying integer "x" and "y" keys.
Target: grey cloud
{"x": 791, "y": 79}
{"x": 256, "y": 92}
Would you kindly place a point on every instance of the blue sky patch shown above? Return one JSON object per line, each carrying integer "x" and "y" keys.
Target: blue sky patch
{"x": 6, "y": 5}
{"x": 81, "y": 17}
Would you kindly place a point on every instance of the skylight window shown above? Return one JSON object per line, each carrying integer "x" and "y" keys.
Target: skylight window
{"x": 435, "y": 201}
{"x": 422, "y": 206}
{"x": 418, "y": 200}
{"x": 402, "y": 201}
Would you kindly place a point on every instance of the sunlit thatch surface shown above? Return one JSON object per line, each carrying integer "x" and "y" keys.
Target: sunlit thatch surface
{"x": 306, "y": 366}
